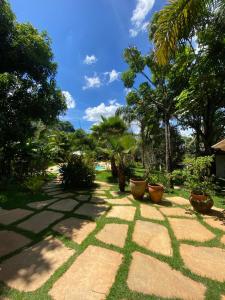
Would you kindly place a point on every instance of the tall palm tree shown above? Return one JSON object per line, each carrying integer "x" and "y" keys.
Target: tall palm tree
{"x": 177, "y": 22}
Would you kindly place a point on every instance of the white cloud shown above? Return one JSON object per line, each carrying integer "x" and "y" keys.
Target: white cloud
{"x": 112, "y": 76}
{"x": 93, "y": 114}
{"x": 127, "y": 91}
{"x": 70, "y": 102}
{"x": 92, "y": 82}
{"x": 89, "y": 60}
{"x": 135, "y": 127}
{"x": 140, "y": 12}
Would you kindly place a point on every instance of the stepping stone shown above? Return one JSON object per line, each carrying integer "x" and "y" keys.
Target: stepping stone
{"x": 40, "y": 221}
{"x": 98, "y": 194}
{"x": 64, "y": 205}
{"x": 75, "y": 229}
{"x": 11, "y": 241}
{"x": 215, "y": 222}
{"x": 115, "y": 194}
{"x": 185, "y": 229}
{"x": 121, "y": 201}
{"x": 64, "y": 195}
{"x": 54, "y": 193}
{"x": 151, "y": 276}
{"x": 223, "y": 297}
{"x": 178, "y": 200}
{"x": 176, "y": 212}
{"x": 103, "y": 184}
{"x": 153, "y": 236}
{"x": 10, "y": 216}
{"x": 150, "y": 212}
{"x": 90, "y": 277}
{"x": 41, "y": 204}
{"x": 122, "y": 212}
{"x": 30, "y": 269}
{"x": 83, "y": 197}
{"x": 114, "y": 234}
{"x": 204, "y": 261}
{"x": 52, "y": 188}
{"x": 223, "y": 239}
{"x": 98, "y": 200}
{"x": 92, "y": 210}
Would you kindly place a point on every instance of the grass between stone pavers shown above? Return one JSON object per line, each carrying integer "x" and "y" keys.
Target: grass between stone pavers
{"x": 119, "y": 289}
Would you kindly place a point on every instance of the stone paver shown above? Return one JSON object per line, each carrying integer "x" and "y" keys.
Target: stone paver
{"x": 150, "y": 212}
{"x": 30, "y": 269}
{"x": 153, "y": 236}
{"x": 64, "y": 195}
{"x": 90, "y": 277}
{"x": 215, "y": 222}
{"x": 176, "y": 212}
{"x": 64, "y": 205}
{"x": 10, "y": 216}
{"x": 82, "y": 197}
{"x": 223, "y": 239}
{"x": 11, "y": 241}
{"x": 40, "y": 204}
{"x": 75, "y": 229}
{"x": 40, "y": 221}
{"x": 185, "y": 229}
{"x": 150, "y": 276}
{"x": 55, "y": 192}
{"x": 122, "y": 212}
{"x": 115, "y": 193}
{"x": 178, "y": 200}
{"x": 121, "y": 201}
{"x": 92, "y": 210}
{"x": 98, "y": 200}
{"x": 223, "y": 297}
{"x": 103, "y": 185}
{"x": 114, "y": 234}
{"x": 204, "y": 261}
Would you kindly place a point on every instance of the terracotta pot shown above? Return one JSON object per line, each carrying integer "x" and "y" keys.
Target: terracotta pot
{"x": 201, "y": 203}
{"x": 156, "y": 192}
{"x": 138, "y": 187}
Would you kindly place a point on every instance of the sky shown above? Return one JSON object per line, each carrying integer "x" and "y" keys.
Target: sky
{"x": 88, "y": 40}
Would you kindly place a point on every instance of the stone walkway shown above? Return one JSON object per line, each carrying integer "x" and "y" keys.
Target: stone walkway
{"x": 81, "y": 242}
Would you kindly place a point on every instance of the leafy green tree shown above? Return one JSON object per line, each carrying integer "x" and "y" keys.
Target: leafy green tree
{"x": 28, "y": 90}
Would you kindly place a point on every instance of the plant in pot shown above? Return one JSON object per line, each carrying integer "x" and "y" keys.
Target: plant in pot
{"x": 138, "y": 187}
{"x": 200, "y": 183}
{"x": 155, "y": 188}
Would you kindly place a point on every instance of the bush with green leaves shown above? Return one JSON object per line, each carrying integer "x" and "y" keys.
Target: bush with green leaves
{"x": 157, "y": 177}
{"x": 78, "y": 172}
{"x": 34, "y": 184}
{"x": 197, "y": 175}
{"x": 178, "y": 177}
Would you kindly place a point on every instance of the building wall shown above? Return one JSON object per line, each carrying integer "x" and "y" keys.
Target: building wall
{"x": 220, "y": 165}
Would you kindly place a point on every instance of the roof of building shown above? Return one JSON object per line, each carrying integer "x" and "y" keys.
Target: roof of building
{"x": 219, "y": 146}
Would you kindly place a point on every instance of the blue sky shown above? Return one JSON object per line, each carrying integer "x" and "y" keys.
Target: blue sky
{"x": 88, "y": 39}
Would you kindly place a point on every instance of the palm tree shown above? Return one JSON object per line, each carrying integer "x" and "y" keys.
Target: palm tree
{"x": 113, "y": 126}
{"x": 121, "y": 148}
{"x": 177, "y": 23}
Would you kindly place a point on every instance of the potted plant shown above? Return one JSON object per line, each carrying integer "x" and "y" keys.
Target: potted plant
{"x": 199, "y": 181}
{"x": 138, "y": 187}
{"x": 155, "y": 188}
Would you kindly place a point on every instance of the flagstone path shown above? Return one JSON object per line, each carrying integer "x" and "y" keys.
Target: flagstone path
{"x": 85, "y": 245}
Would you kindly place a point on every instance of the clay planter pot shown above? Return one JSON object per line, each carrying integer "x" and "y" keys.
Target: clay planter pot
{"x": 156, "y": 192}
{"x": 201, "y": 203}
{"x": 138, "y": 187}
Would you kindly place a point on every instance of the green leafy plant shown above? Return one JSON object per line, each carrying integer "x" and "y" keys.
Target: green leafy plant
{"x": 197, "y": 175}
{"x": 34, "y": 184}
{"x": 178, "y": 177}
{"x": 157, "y": 177}
{"x": 78, "y": 172}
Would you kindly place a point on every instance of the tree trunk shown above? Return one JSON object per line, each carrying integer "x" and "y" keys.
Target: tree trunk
{"x": 121, "y": 178}
{"x": 143, "y": 145}
{"x": 168, "y": 150}
{"x": 114, "y": 167}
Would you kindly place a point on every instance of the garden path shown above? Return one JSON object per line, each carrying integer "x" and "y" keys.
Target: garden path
{"x": 104, "y": 245}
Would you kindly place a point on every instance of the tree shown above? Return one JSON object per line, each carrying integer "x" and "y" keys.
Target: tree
{"x": 28, "y": 90}
{"x": 155, "y": 94}
{"x": 178, "y": 22}
{"x": 109, "y": 127}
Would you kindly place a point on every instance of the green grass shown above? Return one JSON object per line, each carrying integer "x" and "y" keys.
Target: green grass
{"x": 119, "y": 289}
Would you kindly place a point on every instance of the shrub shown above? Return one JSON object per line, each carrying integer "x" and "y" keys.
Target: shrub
{"x": 156, "y": 177}
{"x": 178, "y": 177}
{"x": 78, "y": 172}
{"x": 197, "y": 175}
{"x": 34, "y": 184}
